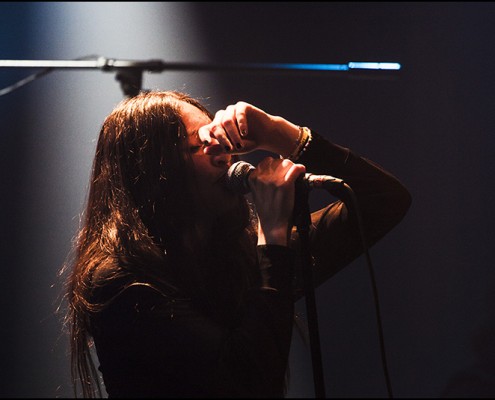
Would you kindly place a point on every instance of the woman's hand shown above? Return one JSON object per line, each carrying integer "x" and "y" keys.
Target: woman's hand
{"x": 272, "y": 185}
{"x": 242, "y": 128}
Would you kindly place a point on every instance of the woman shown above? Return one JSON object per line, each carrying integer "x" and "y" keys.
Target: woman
{"x": 186, "y": 288}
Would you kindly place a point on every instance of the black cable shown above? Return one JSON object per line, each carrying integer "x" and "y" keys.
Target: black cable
{"x": 373, "y": 284}
{"x": 302, "y": 218}
{"x": 342, "y": 190}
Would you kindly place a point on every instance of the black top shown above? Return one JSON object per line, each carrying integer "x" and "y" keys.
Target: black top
{"x": 153, "y": 344}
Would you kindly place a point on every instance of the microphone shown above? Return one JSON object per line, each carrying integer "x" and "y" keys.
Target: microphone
{"x": 237, "y": 176}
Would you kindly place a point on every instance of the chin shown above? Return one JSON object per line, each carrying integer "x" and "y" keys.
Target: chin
{"x": 227, "y": 202}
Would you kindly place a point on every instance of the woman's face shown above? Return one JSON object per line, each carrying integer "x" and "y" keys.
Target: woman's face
{"x": 209, "y": 169}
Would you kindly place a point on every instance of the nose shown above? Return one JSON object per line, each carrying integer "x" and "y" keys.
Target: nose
{"x": 216, "y": 151}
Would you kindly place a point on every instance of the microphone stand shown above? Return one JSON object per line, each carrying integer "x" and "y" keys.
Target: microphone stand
{"x": 302, "y": 218}
{"x": 130, "y": 72}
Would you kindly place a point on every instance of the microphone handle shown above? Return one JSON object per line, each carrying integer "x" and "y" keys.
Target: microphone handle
{"x": 321, "y": 181}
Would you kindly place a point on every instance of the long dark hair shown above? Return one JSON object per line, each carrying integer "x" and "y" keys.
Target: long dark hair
{"x": 140, "y": 223}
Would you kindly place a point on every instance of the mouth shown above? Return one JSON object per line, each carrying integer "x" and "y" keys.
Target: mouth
{"x": 222, "y": 177}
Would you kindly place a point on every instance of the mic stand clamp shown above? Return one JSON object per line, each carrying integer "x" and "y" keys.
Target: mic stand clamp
{"x": 131, "y": 80}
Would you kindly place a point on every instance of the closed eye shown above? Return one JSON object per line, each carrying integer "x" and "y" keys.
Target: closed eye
{"x": 195, "y": 149}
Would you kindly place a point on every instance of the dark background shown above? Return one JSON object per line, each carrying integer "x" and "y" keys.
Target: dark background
{"x": 431, "y": 124}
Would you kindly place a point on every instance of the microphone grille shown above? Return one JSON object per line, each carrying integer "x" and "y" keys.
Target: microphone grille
{"x": 236, "y": 178}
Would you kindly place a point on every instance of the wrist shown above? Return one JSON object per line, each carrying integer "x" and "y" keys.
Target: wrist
{"x": 283, "y": 136}
{"x": 301, "y": 144}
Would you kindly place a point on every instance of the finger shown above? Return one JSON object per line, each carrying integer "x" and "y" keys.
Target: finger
{"x": 272, "y": 171}
{"x": 242, "y": 118}
{"x": 294, "y": 171}
{"x": 213, "y": 134}
{"x": 205, "y": 134}
{"x": 229, "y": 123}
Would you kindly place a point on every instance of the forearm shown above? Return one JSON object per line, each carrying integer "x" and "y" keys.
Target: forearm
{"x": 381, "y": 198}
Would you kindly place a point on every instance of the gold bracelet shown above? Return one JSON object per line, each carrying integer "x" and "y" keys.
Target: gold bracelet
{"x": 299, "y": 143}
{"x": 306, "y": 144}
{"x": 302, "y": 143}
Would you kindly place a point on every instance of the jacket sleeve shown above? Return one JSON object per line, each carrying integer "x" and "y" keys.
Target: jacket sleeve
{"x": 381, "y": 199}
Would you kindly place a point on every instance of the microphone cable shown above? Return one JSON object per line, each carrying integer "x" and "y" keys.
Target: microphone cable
{"x": 237, "y": 182}
{"x": 357, "y": 213}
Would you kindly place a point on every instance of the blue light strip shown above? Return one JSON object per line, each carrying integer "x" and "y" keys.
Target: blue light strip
{"x": 335, "y": 67}
{"x": 374, "y": 65}
{"x": 313, "y": 67}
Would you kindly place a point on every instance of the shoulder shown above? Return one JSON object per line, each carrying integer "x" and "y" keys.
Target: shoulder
{"x": 140, "y": 305}
{"x": 115, "y": 290}
{"x": 144, "y": 295}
